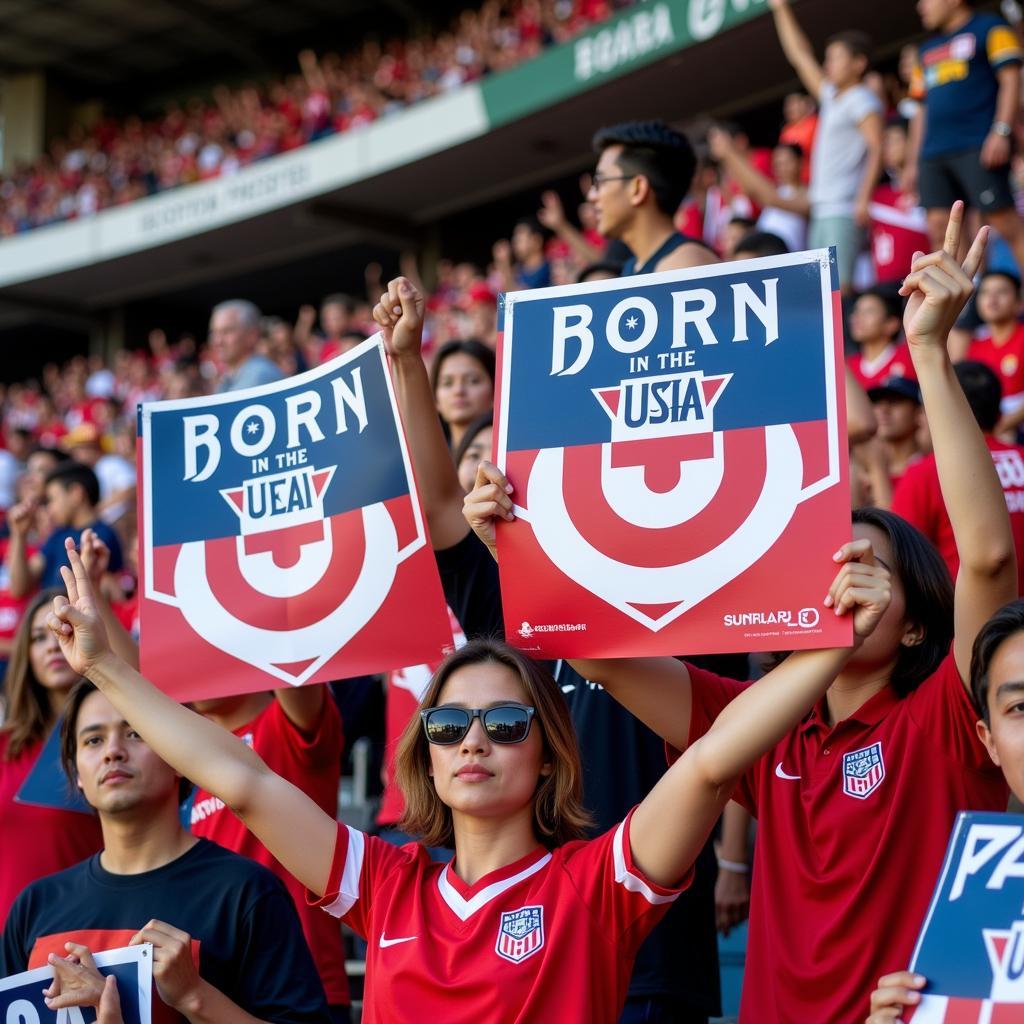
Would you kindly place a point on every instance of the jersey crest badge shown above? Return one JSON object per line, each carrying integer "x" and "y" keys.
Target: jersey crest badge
{"x": 520, "y": 934}
{"x": 863, "y": 771}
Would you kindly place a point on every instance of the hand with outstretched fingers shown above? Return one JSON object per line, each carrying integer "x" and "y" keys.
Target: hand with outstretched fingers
{"x": 938, "y": 286}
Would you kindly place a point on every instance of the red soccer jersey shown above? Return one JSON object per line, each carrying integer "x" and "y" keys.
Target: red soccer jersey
{"x": 919, "y": 500}
{"x": 1007, "y": 360}
{"x": 50, "y": 839}
{"x": 852, "y": 828}
{"x": 895, "y": 361}
{"x": 313, "y": 763}
{"x": 551, "y": 937}
{"x": 896, "y": 234}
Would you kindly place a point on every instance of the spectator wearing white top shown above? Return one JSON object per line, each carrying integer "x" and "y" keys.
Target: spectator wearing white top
{"x": 847, "y": 158}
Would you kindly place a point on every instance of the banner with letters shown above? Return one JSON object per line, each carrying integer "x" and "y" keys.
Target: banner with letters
{"x": 21, "y": 995}
{"x": 677, "y": 447}
{"x": 281, "y": 535}
{"x": 971, "y": 946}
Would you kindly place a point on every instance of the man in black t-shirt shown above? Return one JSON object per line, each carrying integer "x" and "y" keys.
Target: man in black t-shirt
{"x": 227, "y": 943}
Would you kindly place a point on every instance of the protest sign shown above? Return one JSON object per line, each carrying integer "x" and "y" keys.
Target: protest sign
{"x": 677, "y": 447}
{"x": 282, "y": 537}
{"x": 971, "y": 946}
{"x": 21, "y": 995}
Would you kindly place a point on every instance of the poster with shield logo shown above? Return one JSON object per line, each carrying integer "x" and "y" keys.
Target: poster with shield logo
{"x": 971, "y": 946}
{"x": 677, "y": 447}
{"x": 281, "y": 536}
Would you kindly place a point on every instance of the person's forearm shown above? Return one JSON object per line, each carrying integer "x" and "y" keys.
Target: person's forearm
{"x": 861, "y": 424}
{"x": 655, "y": 690}
{"x": 121, "y": 641}
{"x": 438, "y": 482}
{"x": 203, "y": 752}
{"x": 17, "y": 566}
{"x": 1011, "y": 421}
{"x": 795, "y": 44}
{"x": 914, "y": 138}
{"x": 210, "y": 1006}
{"x": 761, "y": 189}
{"x": 762, "y": 714}
{"x": 970, "y": 486}
{"x": 573, "y": 237}
{"x": 734, "y": 844}
{"x": 1008, "y": 98}
{"x": 872, "y": 172}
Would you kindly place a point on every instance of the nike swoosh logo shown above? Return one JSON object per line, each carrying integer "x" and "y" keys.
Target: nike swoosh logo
{"x": 783, "y": 774}
{"x": 384, "y": 943}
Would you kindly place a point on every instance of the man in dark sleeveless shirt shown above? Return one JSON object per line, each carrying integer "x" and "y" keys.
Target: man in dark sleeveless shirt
{"x": 644, "y": 171}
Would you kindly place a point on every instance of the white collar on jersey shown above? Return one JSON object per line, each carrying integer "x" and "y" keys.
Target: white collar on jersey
{"x": 463, "y": 908}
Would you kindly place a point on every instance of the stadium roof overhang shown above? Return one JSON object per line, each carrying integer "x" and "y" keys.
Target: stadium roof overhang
{"x": 399, "y": 175}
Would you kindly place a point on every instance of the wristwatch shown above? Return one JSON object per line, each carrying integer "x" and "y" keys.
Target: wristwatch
{"x": 1002, "y": 128}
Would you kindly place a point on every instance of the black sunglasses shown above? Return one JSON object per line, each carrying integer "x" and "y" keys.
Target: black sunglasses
{"x": 503, "y": 723}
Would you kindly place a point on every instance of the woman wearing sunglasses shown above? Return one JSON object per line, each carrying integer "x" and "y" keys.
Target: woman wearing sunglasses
{"x": 529, "y": 921}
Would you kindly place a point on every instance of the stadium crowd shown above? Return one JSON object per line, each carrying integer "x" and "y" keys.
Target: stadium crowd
{"x": 586, "y": 828}
{"x": 118, "y": 160}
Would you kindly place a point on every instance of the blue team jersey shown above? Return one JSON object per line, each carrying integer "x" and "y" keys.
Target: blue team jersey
{"x": 956, "y": 75}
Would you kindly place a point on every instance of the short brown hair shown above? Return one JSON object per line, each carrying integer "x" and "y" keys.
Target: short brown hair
{"x": 69, "y": 737}
{"x": 558, "y": 814}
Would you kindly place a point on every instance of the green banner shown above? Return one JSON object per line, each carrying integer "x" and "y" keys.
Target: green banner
{"x": 638, "y": 36}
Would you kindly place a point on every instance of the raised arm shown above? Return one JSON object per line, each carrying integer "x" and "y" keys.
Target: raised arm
{"x": 400, "y": 316}
{"x": 672, "y": 823}
{"x": 938, "y": 288}
{"x": 758, "y": 186}
{"x": 24, "y": 572}
{"x": 797, "y": 47}
{"x": 861, "y": 424}
{"x": 295, "y": 830}
{"x": 871, "y": 129}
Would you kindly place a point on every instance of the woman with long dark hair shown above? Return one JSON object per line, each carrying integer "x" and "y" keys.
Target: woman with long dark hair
{"x": 37, "y": 840}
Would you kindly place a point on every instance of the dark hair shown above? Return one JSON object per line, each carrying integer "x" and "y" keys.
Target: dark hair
{"x": 479, "y": 424}
{"x": 891, "y": 302}
{"x": 69, "y": 737}
{"x": 1006, "y": 622}
{"x": 558, "y": 813}
{"x": 662, "y": 155}
{"x": 857, "y": 43}
{"x": 474, "y": 349}
{"x": 794, "y": 147}
{"x": 533, "y": 225}
{"x": 70, "y": 474}
{"x": 983, "y": 391}
{"x": 1008, "y": 275}
{"x": 760, "y": 243}
{"x": 743, "y": 222}
{"x": 339, "y": 299}
{"x": 27, "y": 712}
{"x": 928, "y": 597}
{"x": 600, "y": 267}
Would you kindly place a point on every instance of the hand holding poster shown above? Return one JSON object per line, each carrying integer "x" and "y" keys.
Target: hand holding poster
{"x": 971, "y": 946}
{"x": 282, "y": 536}
{"x": 21, "y": 995}
{"x": 677, "y": 447}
